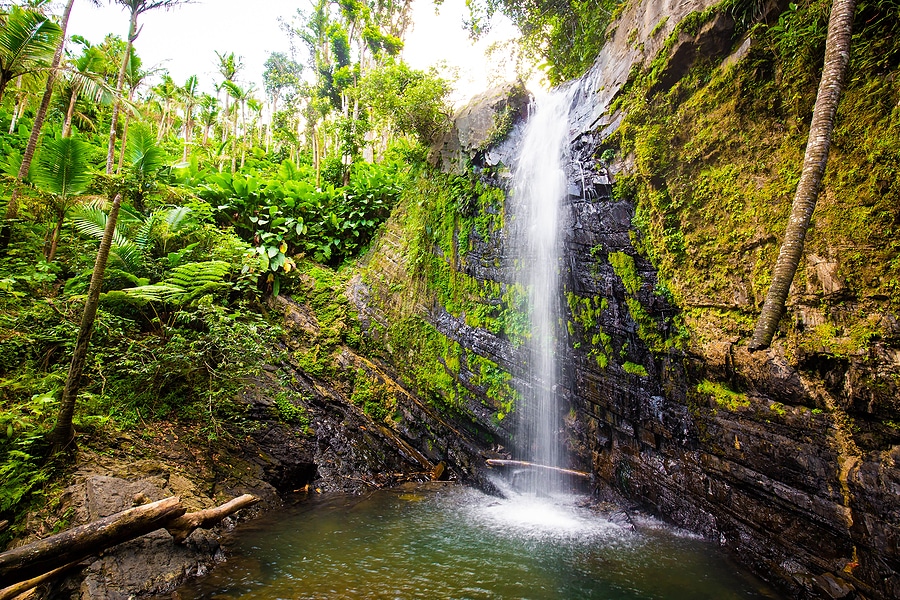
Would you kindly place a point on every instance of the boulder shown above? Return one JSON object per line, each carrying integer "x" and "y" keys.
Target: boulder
{"x": 481, "y": 124}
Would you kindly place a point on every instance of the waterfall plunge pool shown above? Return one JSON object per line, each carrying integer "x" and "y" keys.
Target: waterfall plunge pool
{"x": 441, "y": 541}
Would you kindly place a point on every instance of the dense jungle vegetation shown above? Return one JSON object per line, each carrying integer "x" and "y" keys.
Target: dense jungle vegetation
{"x": 220, "y": 210}
{"x": 223, "y": 208}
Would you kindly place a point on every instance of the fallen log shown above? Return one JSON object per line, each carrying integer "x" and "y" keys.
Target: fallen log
{"x": 44, "y": 556}
{"x": 75, "y": 544}
{"x": 183, "y": 526}
{"x": 497, "y": 462}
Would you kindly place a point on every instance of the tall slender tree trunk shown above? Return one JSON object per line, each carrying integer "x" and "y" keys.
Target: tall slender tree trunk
{"x": 63, "y": 433}
{"x": 837, "y": 57}
{"x": 70, "y": 113}
{"x": 17, "y": 107}
{"x": 188, "y": 130}
{"x": 124, "y": 145}
{"x": 234, "y": 141}
{"x": 54, "y": 239}
{"x": 12, "y": 208}
{"x": 120, "y": 84}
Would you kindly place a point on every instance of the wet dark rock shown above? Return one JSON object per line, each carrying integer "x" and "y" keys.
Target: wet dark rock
{"x": 712, "y": 41}
{"x": 797, "y": 474}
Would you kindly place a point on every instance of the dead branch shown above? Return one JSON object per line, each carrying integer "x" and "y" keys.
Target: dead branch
{"x": 184, "y": 525}
{"x": 497, "y": 462}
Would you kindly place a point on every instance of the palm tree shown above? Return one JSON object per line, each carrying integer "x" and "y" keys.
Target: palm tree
{"x": 229, "y": 66}
{"x": 23, "y": 90}
{"x": 837, "y": 57}
{"x": 209, "y": 114}
{"x": 136, "y": 8}
{"x": 167, "y": 92}
{"x": 28, "y": 40}
{"x": 240, "y": 96}
{"x": 145, "y": 160}
{"x": 134, "y": 77}
{"x": 89, "y": 64}
{"x": 188, "y": 93}
{"x": 61, "y": 172}
{"x": 18, "y": 37}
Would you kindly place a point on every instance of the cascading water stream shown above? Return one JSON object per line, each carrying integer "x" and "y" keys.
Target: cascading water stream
{"x": 539, "y": 187}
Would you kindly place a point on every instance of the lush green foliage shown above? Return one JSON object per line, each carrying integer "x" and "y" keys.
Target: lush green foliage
{"x": 566, "y": 34}
{"x": 220, "y": 210}
{"x": 286, "y": 214}
{"x": 444, "y": 218}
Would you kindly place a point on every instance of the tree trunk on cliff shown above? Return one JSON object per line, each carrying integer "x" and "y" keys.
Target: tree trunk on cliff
{"x": 837, "y": 57}
{"x": 12, "y": 208}
{"x": 63, "y": 432}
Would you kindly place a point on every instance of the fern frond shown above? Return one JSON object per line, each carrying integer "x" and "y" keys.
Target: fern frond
{"x": 90, "y": 220}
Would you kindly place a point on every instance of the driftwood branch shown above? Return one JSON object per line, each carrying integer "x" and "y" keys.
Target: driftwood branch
{"x": 184, "y": 525}
{"x": 496, "y": 462}
{"x": 47, "y": 555}
{"x": 20, "y": 588}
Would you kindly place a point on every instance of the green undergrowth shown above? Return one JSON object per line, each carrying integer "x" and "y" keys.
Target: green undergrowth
{"x": 178, "y": 350}
{"x": 323, "y": 290}
{"x": 716, "y": 161}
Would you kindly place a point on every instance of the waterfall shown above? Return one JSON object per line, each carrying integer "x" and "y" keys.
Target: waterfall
{"x": 539, "y": 186}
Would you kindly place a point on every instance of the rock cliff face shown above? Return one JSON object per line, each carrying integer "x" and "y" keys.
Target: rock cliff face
{"x": 781, "y": 456}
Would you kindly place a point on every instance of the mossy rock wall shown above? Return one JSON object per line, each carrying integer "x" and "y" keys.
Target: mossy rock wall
{"x": 687, "y": 141}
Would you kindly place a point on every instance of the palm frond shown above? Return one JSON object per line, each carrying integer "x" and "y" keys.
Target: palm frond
{"x": 28, "y": 40}
{"x": 143, "y": 235}
{"x": 62, "y": 167}
{"x": 129, "y": 256}
{"x": 143, "y": 154}
{"x": 90, "y": 220}
{"x": 93, "y": 87}
{"x": 185, "y": 284}
{"x": 177, "y": 217}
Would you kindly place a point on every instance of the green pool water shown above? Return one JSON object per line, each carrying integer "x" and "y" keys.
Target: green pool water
{"x": 444, "y": 541}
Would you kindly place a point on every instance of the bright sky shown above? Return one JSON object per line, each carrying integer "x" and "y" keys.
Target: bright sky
{"x": 184, "y": 39}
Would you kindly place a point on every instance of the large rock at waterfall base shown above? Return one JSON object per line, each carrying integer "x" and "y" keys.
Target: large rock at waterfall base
{"x": 482, "y": 123}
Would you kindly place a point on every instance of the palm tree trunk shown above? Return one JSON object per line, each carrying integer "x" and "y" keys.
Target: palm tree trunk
{"x": 837, "y": 57}
{"x": 120, "y": 84}
{"x": 234, "y": 142}
{"x": 163, "y": 122}
{"x": 54, "y": 239}
{"x": 67, "y": 126}
{"x": 18, "y": 107}
{"x": 63, "y": 433}
{"x": 4, "y": 81}
{"x": 12, "y": 208}
{"x": 123, "y": 144}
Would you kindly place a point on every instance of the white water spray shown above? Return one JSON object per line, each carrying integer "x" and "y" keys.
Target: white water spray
{"x": 539, "y": 187}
